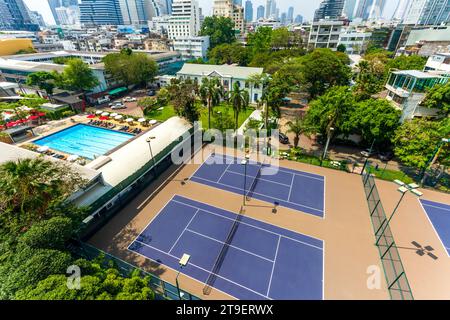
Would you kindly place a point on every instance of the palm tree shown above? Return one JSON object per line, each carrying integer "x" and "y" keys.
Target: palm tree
{"x": 239, "y": 100}
{"x": 297, "y": 127}
{"x": 210, "y": 92}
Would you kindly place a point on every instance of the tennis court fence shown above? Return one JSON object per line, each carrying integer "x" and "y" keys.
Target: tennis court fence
{"x": 162, "y": 289}
{"x": 397, "y": 282}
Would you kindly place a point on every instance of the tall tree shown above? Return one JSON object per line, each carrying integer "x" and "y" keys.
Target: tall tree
{"x": 438, "y": 97}
{"x": 239, "y": 99}
{"x": 182, "y": 95}
{"x": 77, "y": 76}
{"x": 43, "y": 80}
{"x": 210, "y": 92}
{"x": 219, "y": 29}
{"x": 297, "y": 127}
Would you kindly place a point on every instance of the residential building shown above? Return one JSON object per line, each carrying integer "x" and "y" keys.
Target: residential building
{"x": 37, "y": 18}
{"x": 325, "y": 34}
{"x": 100, "y": 12}
{"x": 406, "y": 89}
{"x": 290, "y": 15}
{"x": 192, "y": 47}
{"x": 435, "y": 12}
{"x": 439, "y": 62}
{"x": 380, "y": 36}
{"x": 226, "y": 8}
{"x": 400, "y": 11}
{"x": 53, "y": 4}
{"x": 185, "y": 19}
{"x": 355, "y": 41}
{"x": 418, "y": 34}
{"x": 14, "y": 16}
{"x": 159, "y": 25}
{"x": 330, "y": 10}
{"x": 260, "y": 12}
{"x": 283, "y": 19}
{"x": 248, "y": 11}
{"x": 228, "y": 75}
{"x": 68, "y": 15}
{"x": 269, "y": 23}
{"x": 369, "y": 9}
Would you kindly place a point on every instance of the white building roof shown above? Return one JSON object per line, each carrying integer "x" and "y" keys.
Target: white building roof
{"x": 224, "y": 70}
{"x": 416, "y": 74}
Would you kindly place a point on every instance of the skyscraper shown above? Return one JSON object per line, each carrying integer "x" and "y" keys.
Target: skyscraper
{"x": 298, "y": 19}
{"x": 227, "y": 9}
{"x": 330, "y": 10}
{"x": 137, "y": 11}
{"x": 349, "y": 8}
{"x": 185, "y": 19}
{"x": 14, "y": 16}
{"x": 369, "y": 9}
{"x": 435, "y": 12}
{"x": 268, "y": 8}
{"x": 260, "y": 12}
{"x": 401, "y": 9}
{"x": 37, "y": 18}
{"x": 248, "y": 11}
{"x": 100, "y": 12}
{"x": 283, "y": 18}
{"x": 53, "y": 4}
{"x": 290, "y": 15}
{"x": 238, "y": 2}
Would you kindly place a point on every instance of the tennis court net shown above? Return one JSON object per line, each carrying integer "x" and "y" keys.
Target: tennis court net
{"x": 249, "y": 194}
{"x": 219, "y": 260}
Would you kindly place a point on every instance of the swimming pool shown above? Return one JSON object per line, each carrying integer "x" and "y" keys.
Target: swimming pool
{"x": 83, "y": 140}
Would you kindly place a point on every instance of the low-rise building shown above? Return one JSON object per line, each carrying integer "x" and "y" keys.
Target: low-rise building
{"x": 354, "y": 41}
{"x": 325, "y": 34}
{"x": 439, "y": 62}
{"x": 13, "y": 45}
{"x": 192, "y": 47}
{"x": 406, "y": 89}
{"x": 228, "y": 75}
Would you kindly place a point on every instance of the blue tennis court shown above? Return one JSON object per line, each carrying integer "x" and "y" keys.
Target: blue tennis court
{"x": 262, "y": 261}
{"x": 292, "y": 189}
{"x": 439, "y": 215}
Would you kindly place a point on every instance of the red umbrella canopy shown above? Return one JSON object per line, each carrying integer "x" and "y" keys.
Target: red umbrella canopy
{"x": 33, "y": 117}
{"x": 41, "y": 114}
{"x": 103, "y": 118}
{"x": 11, "y": 124}
{"x": 91, "y": 116}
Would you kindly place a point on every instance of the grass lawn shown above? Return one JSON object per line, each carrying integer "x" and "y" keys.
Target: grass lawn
{"x": 169, "y": 112}
{"x": 163, "y": 115}
{"x": 390, "y": 175}
{"x": 223, "y": 109}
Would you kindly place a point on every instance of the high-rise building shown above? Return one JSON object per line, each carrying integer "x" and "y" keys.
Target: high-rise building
{"x": 268, "y": 8}
{"x": 260, "y": 12}
{"x": 68, "y": 15}
{"x": 248, "y": 11}
{"x": 290, "y": 15}
{"x": 414, "y": 11}
{"x": 401, "y": 9}
{"x": 37, "y": 18}
{"x": 369, "y": 9}
{"x": 53, "y": 4}
{"x": 14, "y": 15}
{"x": 349, "y": 8}
{"x": 329, "y": 10}
{"x": 227, "y": 9}
{"x": 100, "y": 12}
{"x": 238, "y": 2}
{"x": 185, "y": 19}
{"x": 435, "y": 12}
{"x": 283, "y": 18}
{"x": 298, "y": 19}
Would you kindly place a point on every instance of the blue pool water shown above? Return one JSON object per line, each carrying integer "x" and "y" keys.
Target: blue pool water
{"x": 84, "y": 140}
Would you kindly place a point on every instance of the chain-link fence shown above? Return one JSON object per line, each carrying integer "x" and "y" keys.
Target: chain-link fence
{"x": 396, "y": 279}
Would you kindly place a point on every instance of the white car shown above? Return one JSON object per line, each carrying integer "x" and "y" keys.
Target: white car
{"x": 118, "y": 105}
{"x": 129, "y": 99}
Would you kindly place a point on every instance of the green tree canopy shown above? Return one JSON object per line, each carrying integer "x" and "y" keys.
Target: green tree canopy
{"x": 438, "y": 97}
{"x": 219, "y": 29}
{"x": 77, "y": 76}
{"x": 43, "y": 80}
{"x": 130, "y": 67}
{"x": 182, "y": 95}
{"x": 260, "y": 40}
{"x": 415, "y": 142}
{"x": 229, "y": 54}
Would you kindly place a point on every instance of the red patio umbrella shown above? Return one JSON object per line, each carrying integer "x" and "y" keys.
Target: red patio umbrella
{"x": 91, "y": 116}
{"x": 11, "y": 124}
{"x": 41, "y": 114}
{"x": 33, "y": 117}
{"x": 103, "y": 118}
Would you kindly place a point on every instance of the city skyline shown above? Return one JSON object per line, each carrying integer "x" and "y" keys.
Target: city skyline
{"x": 303, "y": 7}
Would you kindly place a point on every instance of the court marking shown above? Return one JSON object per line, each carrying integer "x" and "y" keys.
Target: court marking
{"x": 423, "y": 205}
{"x": 186, "y": 229}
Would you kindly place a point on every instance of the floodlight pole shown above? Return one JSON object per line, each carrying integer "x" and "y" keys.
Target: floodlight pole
{"x": 244, "y": 163}
{"x": 183, "y": 262}
{"x": 149, "y": 139}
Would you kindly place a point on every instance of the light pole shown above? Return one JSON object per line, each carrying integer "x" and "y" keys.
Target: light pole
{"x": 149, "y": 139}
{"x": 433, "y": 158}
{"x": 244, "y": 162}
{"x": 327, "y": 144}
{"x": 403, "y": 189}
{"x": 183, "y": 262}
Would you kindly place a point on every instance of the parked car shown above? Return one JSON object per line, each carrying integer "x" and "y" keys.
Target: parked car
{"x": 151, "y": 93}
{"x": 386, "y": 156}
{"x": 103, "y": 100}
{"x": 129, "y": 99}
{"x": 368, "y": 153}
{"x": 283, "y": 138}
{"x": 118, "y": 105}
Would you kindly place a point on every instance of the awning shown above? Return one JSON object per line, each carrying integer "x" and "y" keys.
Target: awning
{"x": 117, "y": 90}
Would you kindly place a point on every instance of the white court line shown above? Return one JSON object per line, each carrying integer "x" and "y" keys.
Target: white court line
{"x": 223, "y": 173}
{"x": 273, "y": 266}
{"x": 207, "y": 271}
{"x": 250, "y": 225}
{"x": 183, "y": 230}
{"x": 431, "y": 206}
{"x": 435, "y": 231}
{"x": 240, "y": 174}
{"x": 290, "y": 188}
{"x": 231, "y": 246}
{"x": 268, "y": 196}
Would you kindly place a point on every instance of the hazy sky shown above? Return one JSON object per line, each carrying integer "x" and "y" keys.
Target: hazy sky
{"x": 304, "y": 7}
